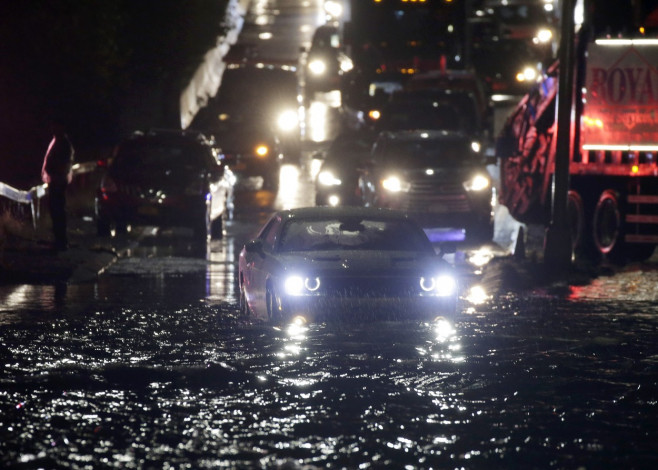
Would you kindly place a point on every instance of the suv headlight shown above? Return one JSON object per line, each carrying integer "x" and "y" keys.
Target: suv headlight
{"x": 395, "y": 185}
{"x": 477, "y": 183}
{"x": 287, "y": 120}
{"x": 317, "y": 66}
{"x": 327, "y": 178}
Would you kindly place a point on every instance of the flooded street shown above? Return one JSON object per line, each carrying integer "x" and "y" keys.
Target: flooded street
{"x": 153, "y": 367}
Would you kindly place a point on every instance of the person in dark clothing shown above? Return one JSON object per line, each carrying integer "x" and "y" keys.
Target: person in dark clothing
{"x": 56, "y": 172}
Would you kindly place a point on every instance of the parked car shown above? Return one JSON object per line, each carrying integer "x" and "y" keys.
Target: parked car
{"x": 348, "y": 263}
{"x": 438, "y": 177}
{"x": 336, "y": 183}
{"x": 166, "y": 179}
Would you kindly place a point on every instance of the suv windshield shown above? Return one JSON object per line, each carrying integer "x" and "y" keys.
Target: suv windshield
{"x": 427, "y": 153}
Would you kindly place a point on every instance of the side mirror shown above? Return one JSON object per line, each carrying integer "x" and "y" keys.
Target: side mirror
{"x": 255, "y": 246}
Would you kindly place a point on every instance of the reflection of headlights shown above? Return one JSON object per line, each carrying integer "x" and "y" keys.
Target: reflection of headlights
{"x": 477, "y": 183}
{"x": 262, "y": 150}
{"x": 395, "y": 184}
{"x": 543, "y": 36}
{"x": 528, "y": 74}
{"x": 327, "y": 178}
{"x": 287, "y": 120}
{"x": 443, "y": 285}
{"x": 317, "y": 67}
{"x": 296, "y": 285}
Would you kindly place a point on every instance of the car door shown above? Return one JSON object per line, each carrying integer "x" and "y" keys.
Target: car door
{"x": 258, "y": 266}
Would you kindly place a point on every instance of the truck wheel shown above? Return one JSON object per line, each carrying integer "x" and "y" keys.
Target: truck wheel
{"x": 607, "y": 225}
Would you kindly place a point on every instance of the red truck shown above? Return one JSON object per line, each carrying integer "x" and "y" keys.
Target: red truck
{"x": 612, "y": 201}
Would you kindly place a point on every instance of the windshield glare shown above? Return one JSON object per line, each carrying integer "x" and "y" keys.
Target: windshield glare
{"x": 352, "y": 234}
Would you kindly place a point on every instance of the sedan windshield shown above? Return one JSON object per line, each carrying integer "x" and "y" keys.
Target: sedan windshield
{"x": 353, "y": 234}
{"x": 427, "y": 153}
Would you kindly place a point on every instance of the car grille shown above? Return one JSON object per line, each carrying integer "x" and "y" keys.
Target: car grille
{"x": 436, "y": 196}
{"x": 370, "y": 287}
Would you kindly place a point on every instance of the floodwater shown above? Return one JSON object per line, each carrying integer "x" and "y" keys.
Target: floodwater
{"x": 144, "y": 370}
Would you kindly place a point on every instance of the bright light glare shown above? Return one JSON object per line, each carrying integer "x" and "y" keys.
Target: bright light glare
{"x": 333, "y": 9}
{"x": 334, "y": 200}
{"x": 443, "y": 285}
{"x": 476, "y": 146}
{"x": 544, "y": 35}
{"x": 317, "y": 67}
{"x": 528, "y": 74}
{"x": 318, "y": 118}
{"x": 477, "y": 295}
{"x": 443, "y": 329}
{"x": 327, "y": 178}
{"x": 294, "y": 285}
{"x": 446, "y": 285}
{"x": 477, "y": 183}
{"x": 288, "y": 120}
{"x": 394, "y": 184}
{"x": 481, "y": 257}
{"x": 374, "y": 114}
{"x": 262, "y": 150}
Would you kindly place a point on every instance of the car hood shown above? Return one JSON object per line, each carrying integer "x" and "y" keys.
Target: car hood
{"x": 434, "y": 172}
{"x": 362, "y": 262}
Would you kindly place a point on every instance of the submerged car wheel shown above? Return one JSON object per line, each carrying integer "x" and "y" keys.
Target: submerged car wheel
{"x": 273, "y": 313}
{"x": 244, "y": 308}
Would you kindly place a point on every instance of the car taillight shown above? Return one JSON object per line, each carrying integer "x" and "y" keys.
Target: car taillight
{"x": 108, "y": 186}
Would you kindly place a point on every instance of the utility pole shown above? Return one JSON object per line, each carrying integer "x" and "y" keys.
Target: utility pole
{"x": 557, "y": 244}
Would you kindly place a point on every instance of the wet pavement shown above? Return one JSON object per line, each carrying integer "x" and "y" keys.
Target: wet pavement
{"x": 150, "y": 365}
{"x": 150, "y": 371}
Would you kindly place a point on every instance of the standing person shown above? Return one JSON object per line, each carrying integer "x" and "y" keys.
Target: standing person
{"x": 56, "y": 172}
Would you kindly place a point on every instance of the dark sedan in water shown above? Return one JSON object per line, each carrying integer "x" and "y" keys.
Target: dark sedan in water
{"x": 319, "y": 263}
{"x": 166, "y": 179}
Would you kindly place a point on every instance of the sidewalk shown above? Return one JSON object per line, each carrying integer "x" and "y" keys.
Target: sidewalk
{"x": 27, "y": 255}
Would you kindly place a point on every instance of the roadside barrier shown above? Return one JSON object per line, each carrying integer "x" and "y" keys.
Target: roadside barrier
{"x": 33, "y": 196}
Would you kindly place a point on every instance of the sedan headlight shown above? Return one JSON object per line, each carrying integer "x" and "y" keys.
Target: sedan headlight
{"x": 443, "y": 285}
{"x": 395, "y": 185}
{"x": 327, "y": 178}
{"x": 287, "y": 120}
{"x": 298, "y": 285}
{"x": 477, "y": 183}
{"x": 317, "y": 66}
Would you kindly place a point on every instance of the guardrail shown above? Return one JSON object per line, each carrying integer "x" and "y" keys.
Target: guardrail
{"x": 32, "y": 197}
